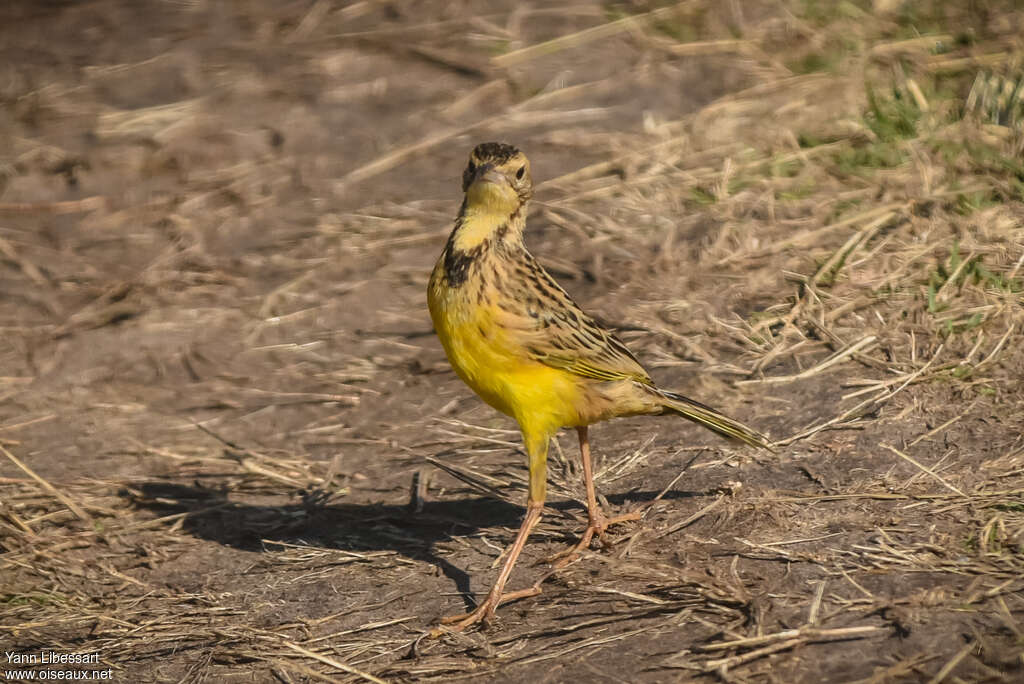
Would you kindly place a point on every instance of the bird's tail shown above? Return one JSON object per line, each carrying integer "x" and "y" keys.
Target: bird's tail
{"x": 712, "y": 419}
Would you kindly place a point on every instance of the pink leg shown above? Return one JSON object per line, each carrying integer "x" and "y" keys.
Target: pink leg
{"x": 537, "y": 449}
{"x": 495, "y": 597}
{"x": 597, "y": 522}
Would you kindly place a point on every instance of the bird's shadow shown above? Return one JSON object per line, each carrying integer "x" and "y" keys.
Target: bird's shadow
{"x": 210, "y": 514}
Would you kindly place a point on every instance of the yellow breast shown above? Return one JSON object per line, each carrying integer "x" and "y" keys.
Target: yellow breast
{"x": 488, "y": 359}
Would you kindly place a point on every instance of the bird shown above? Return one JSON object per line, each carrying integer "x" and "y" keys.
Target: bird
{"x": 521, "y": 343}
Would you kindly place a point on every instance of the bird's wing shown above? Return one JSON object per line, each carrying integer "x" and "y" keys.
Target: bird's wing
{"x": 554, "y": 330}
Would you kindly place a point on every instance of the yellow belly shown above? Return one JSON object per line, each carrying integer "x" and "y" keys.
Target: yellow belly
{"x": 540, "y": 397}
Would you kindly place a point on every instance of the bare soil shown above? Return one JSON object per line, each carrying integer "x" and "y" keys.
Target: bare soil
{"x": 233, "y": 450}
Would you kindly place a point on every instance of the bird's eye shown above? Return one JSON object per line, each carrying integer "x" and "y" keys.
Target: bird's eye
{"x": 520, "y": 172}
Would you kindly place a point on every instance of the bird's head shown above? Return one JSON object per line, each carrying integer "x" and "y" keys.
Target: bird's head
{"x": 497, "y": 179}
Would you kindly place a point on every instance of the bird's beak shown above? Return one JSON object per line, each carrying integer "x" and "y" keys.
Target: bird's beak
{"x": 486, "y": 173}
{"x": 490, "y": 191}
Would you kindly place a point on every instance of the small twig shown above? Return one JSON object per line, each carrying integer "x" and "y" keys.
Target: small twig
{"x": 586, "y": 643}
{"x": 831, "y": 267}
{"x": 72, "y": 506}
{"x": 755, "y": 545}
{"x": 395, "y": 157}
{"x": 933, "y": 432}
{"x": 857, "y": 411}
{"x": 631, "y": 595}
{"x": 66, "y": 207}
{"x": 832, "y": 360}
{"x": 27, "y": 267}
{"x": 670, "y": 485}
{"x": 774, "y": 643}
{"x": 953, "y": 662}
{"x": 881, "y": 496}
{"x": 938, "y": 64}
{"x": 803, "y": 633}
{"x": 940, "y": 294}
{"x": 693, "y": 518}
{"x": 922, "y": 45}
{"x": 26, "y": 423}
{"x": 871, "y": 403}
{"x": 473, "y": 479}
{"x": 804, "y": 540}
{"x": 334, "y": 663}
{"x": 854, "y": 582}
{"x": 995, "y": 350}
{"x": 6, "y": 511}
{"x": 732, "y": 661}
{"x": 313, "y": 18}
{"x": 811, "y": 237}
{"x": 706, "y": 47}
{"x": 583, "y": 37}
{"x": 819, "y": 593}
{"x": 923, "y": 468}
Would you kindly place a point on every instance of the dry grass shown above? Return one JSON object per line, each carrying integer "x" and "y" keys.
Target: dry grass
{"x": 218, "y": 380}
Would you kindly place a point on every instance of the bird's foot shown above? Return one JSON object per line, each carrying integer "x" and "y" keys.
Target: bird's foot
{"x": 484, "y": 612}
{"x": 595, "y": 529}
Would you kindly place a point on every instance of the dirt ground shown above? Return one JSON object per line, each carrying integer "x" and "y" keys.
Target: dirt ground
{"x": 231, "y": 448}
